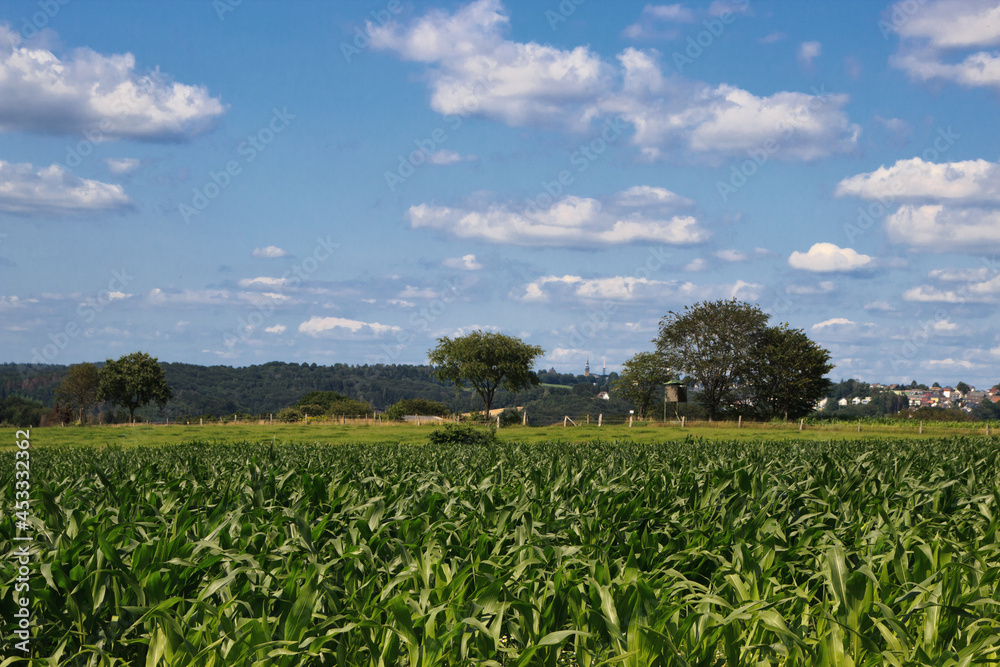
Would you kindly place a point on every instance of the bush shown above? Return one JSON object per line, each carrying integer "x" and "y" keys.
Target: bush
{"x": 463, "y": 434}
{"x": 416, "y": 406}
{"x": 289, "y": 415}
{"x": 510, "y": 416}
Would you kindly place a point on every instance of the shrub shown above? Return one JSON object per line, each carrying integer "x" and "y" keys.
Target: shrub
{"x": 510, "y": 416}
{"x": 416, "y": 406}
{"x": 463, "y": 434}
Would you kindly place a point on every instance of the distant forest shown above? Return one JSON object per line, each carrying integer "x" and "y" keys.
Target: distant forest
{"x": 218, "y": 391}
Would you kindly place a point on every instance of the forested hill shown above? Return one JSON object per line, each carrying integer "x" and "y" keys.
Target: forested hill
{"x": 270, "y": 387}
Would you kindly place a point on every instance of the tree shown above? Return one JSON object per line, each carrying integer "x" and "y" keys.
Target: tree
{"x": 133, "y": 381}
{"x": 79, "y": 388}
{"x": 487, "y": 361}
{"x": 641, "y": 377}
{"x": 710, "y": 342}
{"x": 789, "y": 378}
{"x": 962, "y": 387}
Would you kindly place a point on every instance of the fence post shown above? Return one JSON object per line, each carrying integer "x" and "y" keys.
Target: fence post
{"x": 498, "y": 421}
{"x": 682, "y": 421}
{"x": 921, "y": 426}
{"x": 987, "y": 430}
{"x": 630, "y": 421}
{"x": 859, "y": 426}
{"x": 739, "y": 422}
{"x": 524, "y": 418}
{"x": 201, "y": 421}
{"x": 305, "y": 419}
{"x": 802, "y": 423}
{"x": 565, "y": 417}
{"x": 600, "y": 418}
{"x": 270, "y": 418}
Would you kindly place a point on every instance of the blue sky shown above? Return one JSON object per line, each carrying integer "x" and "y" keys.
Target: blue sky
{"x": 239, "y": 182}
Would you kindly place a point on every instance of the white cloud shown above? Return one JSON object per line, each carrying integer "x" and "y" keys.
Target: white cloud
{"x": 879, "y": 305}
{"x": 732, "y": 255}
{"x": 276, "y": 329}
{"x": 971, "y": 181}
{"x": 938, "y": 364}
{"x": 937, "y": 228}
{"x": 318, "y": 326}
{"x": 628, "y": 288}
{"x": 122, "y": 166}
{"x": 53, "y": 190}
{"x": 960, "y": 275}
{"x": 99, "y": 94}
{"x": 938, "y": 33}
{"x": 269, "y": 252}
{"x": 569, "y": 222}
{"x": 264, "y": 281}
{"x": 696, "y": 264}
{"x": 808, "y": 52}
{"x": 649, "y": 25}
{"x": 827, "y": 257}
{"x": 772, "y": 37}
{"x": 834, "y": 322}
{"x": 465, "y": 263}
{"x": 986, "y": 291}
{"x": 445, "y": 157}
{"x": 411, "y": 292}
{"x": 473, "y": 69}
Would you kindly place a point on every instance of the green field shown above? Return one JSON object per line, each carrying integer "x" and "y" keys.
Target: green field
{"x": 396, "y": 433}
{"x": 284, "y": 549}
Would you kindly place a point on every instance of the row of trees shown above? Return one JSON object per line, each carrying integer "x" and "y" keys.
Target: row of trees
{"x": 725, "y": 349}
{"x": 130, "y": 382}
{"x": 739, "y": 364}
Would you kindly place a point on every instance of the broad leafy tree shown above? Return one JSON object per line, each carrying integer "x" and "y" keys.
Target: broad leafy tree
{"x": 416, "y": 406}
{"x": 487, "y": 361}
{"x": 133, "y": 381}
{"x": 641, "y": 379}
{"x": 789, "y": 377}
{"x": 711, "y": 342}
{"x": 962, "y": 387}
{"x": 78, "y": 390}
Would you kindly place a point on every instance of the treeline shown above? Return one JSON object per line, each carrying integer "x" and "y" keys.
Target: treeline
{"x": 28, "y": 391}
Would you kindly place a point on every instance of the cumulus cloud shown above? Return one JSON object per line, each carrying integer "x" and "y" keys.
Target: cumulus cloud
{"x": 321, "y": 326}
{"x": 824, "y": 287}
{"x": 970, "y": 181}
{"x": 276, "y": 329}
{"x": 269, "y": 252}
{"x": 54, "y": 190}
{"x": 983, "y": 291}
{"x": 696, "y": 264}
{"x": 946, "y": 39}
{"x": 474, "y": 69}
{"x": 103, "y": 95}
{"x": 938, "y": 228}
{"x": 628, "y": 288}
{"x": 884, "y": 306}
{"x": 834, "y": 322}
{"x": 465, "y": 263}
{"x": 808, "y": 52}
{"x": 638, "y": 215}
{"x": 827, "y": 258}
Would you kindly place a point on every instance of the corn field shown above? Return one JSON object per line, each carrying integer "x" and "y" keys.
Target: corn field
{"x": 873, "y": 552}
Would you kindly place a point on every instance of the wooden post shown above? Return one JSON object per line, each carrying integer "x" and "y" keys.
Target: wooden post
{"x": 802, "y": 422}
{"x": 682, "y": 421}
{"x": 739, "y": 422}
{"x": 201, "y": 421}
{"x": 305, "y": 419}
{"x": 588, "y": 419}
{"x": 524, "y": 418}
{"x": 498, "y": 421}
{"x": 859, "y": 426}
{"x": 630, "y": 421}
{"x": 921, "y": 426}
{"x": 600, "y": 418}
{"x": 565, "y": 417}
{"x": 270, "y": 418}
{"x": 235, "y": 421}
{"x": 987, "y": 430}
